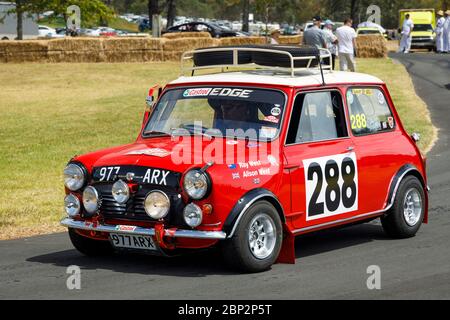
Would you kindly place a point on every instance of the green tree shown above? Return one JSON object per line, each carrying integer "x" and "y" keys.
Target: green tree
{"x": 92, "y": 11}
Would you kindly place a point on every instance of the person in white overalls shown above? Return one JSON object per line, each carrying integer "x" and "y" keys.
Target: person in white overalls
{"x": 446, "y": 32}
{"x": 440, "y": 32}
{"x": 408, "y": 27}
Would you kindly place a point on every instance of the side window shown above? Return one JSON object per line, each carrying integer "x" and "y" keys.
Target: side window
{"x": 317, "y": 116}
{"x": 369, "y": 111}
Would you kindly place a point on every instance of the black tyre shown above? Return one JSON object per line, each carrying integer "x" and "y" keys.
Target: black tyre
{"x": 221, "y": 57}
{"x": 88, "y": 246}
{"x": 281, "y": 60}
{"x": 406, "y": 215}
{"x": 257, "y": 240}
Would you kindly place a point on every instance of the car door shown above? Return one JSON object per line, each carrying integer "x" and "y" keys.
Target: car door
{"x": 377, "y": 142}
{"x": 321, "y": 160}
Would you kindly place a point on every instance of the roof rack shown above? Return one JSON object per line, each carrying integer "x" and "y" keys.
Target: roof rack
{"x": 323, "y": 54}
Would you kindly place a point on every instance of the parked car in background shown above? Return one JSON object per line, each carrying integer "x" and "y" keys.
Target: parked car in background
{"x": 8, "y": 23}
{"x": 47, "y": 32}
{"x": 370, "y": 31}
{"x": 215, "y": 30}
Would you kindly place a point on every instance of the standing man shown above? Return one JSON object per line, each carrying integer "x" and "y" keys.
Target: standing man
{"x": 314, "y": 36}
{"x": 331, "y": 40}
{"x": 408, "y": 27}
{"x": 346, "y": 37}
{"x": 440, "y": 32}
{"x": 446, "y": 32}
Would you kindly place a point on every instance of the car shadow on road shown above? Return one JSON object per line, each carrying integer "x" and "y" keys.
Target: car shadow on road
{"x": 209, "y": 262}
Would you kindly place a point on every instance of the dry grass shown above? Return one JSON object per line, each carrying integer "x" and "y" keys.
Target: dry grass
{"x": 371, "y": 46}
{"x": 50, "y": 112}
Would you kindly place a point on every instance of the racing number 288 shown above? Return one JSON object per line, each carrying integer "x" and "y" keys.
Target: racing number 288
{"x": 331, "y": 185}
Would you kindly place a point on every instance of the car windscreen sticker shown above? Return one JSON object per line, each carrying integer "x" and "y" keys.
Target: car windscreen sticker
{"x": 381, "y": 99}
{"x": 350, "y": 97}
{"x": 331, "y": 185}
{"x": 198, "y": 92}
{"x": 276, "y": 111}
{"x": 271, "y": 119}
{"x": 268, "y": 132}
{"x": 218, "y": 92}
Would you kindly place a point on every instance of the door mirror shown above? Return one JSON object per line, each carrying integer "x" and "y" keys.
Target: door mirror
{"x": 152, "y": 97}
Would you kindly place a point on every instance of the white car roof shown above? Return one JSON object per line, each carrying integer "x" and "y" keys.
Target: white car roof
{"x": 302, "y": 79}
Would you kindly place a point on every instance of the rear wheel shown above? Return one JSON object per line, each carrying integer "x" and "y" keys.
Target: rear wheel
{"x": 407, "y": 213}
{"x": 256, "y": 242}
{"x": 90, "y": 247}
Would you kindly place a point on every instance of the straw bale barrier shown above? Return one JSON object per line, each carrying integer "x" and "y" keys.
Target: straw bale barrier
{"x": 239, "y": 41}
{"x": 180, "y": 35}
{"x": 295, "y": 40}
{"x": 371, "y": 46}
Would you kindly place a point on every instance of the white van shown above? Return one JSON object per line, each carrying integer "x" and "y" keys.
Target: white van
{"x": 8, "y": 24}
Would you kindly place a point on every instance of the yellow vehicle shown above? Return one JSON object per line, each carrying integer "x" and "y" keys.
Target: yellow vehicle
{"x": 369, "y": 31}
{"x": 423, "y": 36}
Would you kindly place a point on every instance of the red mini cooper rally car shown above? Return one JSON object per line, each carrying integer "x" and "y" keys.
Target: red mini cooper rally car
{"x": 272, "y": 145}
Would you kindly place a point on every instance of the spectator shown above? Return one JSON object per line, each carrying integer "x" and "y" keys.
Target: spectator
{"x": 315, "y": 36}
{"x": 331, "y": 40}
{"x": 274, "y": 36}
{"x": 408, "y": 27}
{"x": 440, "y": 32}
{"x": 346, "y": 36}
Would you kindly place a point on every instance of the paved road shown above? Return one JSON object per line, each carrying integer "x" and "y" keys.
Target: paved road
{"x": 330, "y": 265}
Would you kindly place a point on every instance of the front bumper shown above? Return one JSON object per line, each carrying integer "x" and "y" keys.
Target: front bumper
{"x": 134, "y": 230}
{"x": 423, "y": 43}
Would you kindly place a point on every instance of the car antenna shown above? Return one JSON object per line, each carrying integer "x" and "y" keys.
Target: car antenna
{"x": 321, "y": 69}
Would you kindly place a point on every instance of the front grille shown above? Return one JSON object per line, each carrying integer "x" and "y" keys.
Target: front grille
{"x": 134, "y": 208}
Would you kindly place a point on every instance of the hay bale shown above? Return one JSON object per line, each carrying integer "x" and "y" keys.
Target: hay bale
{"x": 75, "y": 56}
{"x": 130, "y": 44}
{"x": 290, "y": 39}
{"x": 188, "y": 44}
{"x": 392, "y": 45}
{"x": 31, "y": 56}
{"x": 13, "y": 46}
{"x": 133, "y": 56}
{"x": 180, "y": 35}
{"x": 237, "y": 41}
{"x": 76, "y": 44}
{"x": 371, "y": 46}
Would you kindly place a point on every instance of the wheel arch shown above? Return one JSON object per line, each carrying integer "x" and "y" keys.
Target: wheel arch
{"x": 402, "y": 173}
{"x": 245, "y": 202}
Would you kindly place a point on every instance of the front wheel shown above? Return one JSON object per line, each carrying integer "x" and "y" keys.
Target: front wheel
{"x": 256, "y": 242}
{"x": 90, "y": 247}
{"x": 407, "y": 213}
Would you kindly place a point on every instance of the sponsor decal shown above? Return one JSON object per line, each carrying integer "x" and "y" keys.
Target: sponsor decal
{"x": 248, "y": 174}
{"x": 272, "y": 119}
{"x": 268, "y": 132}
{"x": 125, "y": 228}
{"x": 232, "y": 166}
{"x": 264, "y": 172}
{"x": 257, "y": 181}
{"x": 247, "y": 165}
{"x": 275, "y": 111}
{"x": 156, "y": 152}
{"x": 384, "y": 125}
{"x": 381, "y": 99}
{"x": 236, "y": 176}
{"x": 220, "y": 92}
{"x": 391, "y": 122}
{"x": 350, "y": 97}
{"x": 199, "y": 92}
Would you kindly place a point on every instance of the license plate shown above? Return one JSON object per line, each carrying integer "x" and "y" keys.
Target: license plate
{"x": 132, "y": 241}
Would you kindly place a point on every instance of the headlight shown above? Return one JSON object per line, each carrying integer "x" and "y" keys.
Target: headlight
{"x": 193, "y": 215}
{"x": 157, "y": 204}
{"x": 74, "y": 177}
{"x": 72, "y": 205}
{"x": 196, "y": 184}
{"x": 121, "y": 192}
{"x": 90, "y": 200}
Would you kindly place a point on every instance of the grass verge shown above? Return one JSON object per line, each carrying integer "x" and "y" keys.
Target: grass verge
{"x": 50, "y": 112}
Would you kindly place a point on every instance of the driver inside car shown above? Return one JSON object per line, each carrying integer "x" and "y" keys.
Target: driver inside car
{"x": 233, "y": 115}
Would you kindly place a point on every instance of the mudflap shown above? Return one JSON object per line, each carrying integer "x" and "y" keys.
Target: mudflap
{"x": 287, "y": 252}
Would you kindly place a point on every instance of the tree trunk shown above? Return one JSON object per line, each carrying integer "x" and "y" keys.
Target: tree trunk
{"x": 245, "y": 13}
{"x": 354, "y": 10}
{"x": 153, "y": 8}
{"x": 19, "y": 14}
{"x": 171, "y": 12}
